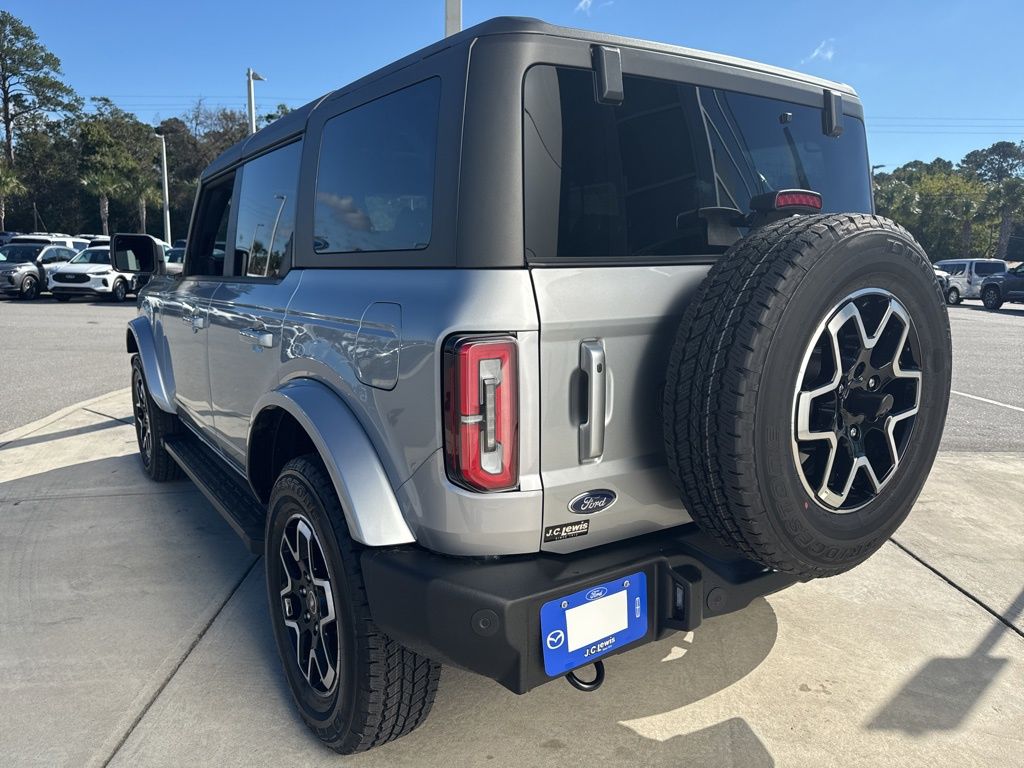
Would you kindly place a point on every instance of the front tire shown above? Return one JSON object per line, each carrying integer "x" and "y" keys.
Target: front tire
{"x": 953, "y": 296}
{"x": 807, "y": 391}
{"x": 152, "y": 425}
{"x": 991, "y": 298}
{"x": 119, "y": 292}
{"x": 354, "y": 686}
{"x": 30, "y": 288}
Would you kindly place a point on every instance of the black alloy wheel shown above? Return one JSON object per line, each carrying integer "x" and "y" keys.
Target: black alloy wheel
{"x": 859, "y": 393}
{"x": 991, "y": 297}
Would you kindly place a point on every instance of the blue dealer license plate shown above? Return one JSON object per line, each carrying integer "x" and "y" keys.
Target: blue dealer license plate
{"x": 578, "y": 629}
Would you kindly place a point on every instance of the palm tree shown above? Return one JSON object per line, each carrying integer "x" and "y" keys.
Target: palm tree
{"x": 105, "y": 183}
{"x": 140, "y": 187}
{"x": 10, "y": 185}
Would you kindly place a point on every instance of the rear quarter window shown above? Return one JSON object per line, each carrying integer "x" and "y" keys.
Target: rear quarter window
{"x": 989, "y": 268}
{"x": 375, "y": 176}
{"x": 627, "y": 181}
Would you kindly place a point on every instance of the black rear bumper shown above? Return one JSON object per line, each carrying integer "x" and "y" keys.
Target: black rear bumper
{"x": 484, "y": 615}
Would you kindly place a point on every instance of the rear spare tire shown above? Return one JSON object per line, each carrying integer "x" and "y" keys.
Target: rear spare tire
{"x": 806, "y": 391}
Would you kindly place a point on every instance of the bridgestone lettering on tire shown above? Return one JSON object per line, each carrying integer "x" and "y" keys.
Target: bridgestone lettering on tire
{"x": 803, "y": 462}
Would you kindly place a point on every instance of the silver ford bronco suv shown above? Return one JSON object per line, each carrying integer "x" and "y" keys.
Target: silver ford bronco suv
{"x": 531, "y": 348}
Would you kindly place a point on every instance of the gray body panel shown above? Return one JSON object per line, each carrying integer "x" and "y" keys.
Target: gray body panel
{"x": 351, "y": 345}
{"x": 632, "y": 313}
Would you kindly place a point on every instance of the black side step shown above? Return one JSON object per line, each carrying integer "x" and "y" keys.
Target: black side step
{"x": 228, "y": 492}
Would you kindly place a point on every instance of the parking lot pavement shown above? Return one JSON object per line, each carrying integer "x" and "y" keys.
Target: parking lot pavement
{"x": 108, "y": 581}
{"x": 133, "y": 628}
{"x": 55, "y": 355}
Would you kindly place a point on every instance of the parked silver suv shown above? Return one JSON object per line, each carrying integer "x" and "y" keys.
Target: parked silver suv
{"x": 531, "y": 348}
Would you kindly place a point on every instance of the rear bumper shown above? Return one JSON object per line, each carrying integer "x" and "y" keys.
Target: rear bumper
{"x": 484, "y": 615}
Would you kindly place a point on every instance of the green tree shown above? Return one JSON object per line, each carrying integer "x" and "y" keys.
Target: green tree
{"x": 30, "y": 79}
{"x": 1001, "y": 166}
{"x": 10, "y": 185}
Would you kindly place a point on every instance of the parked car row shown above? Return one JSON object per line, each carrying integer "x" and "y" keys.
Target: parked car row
{"x": 990, "y": 280}
{"x": 64, "y": 266}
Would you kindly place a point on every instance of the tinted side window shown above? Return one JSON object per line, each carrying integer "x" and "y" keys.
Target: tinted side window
{"x": 628, "y": 180}
{"x": 989, "y": 267}
{"x": 266, "y": 212}
{"x": 375, "y": 181}
{"x": 957, "y": 268}
{"x": 206, "y": 247}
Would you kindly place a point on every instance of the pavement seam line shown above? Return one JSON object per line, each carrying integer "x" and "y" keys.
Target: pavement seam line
{"x": 170, "y": 676}
{"x": 986, "y": 400}
{"x": 978, "y": 601}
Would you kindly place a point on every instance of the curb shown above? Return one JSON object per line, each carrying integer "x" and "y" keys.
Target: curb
{"x": 24, "y": 431}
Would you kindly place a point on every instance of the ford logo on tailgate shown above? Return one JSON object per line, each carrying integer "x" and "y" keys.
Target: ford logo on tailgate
{"x": 592, "y": 501}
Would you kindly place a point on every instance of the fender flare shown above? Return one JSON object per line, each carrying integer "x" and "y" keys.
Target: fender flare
{"x": 140, "y": 334}
{"x": 367, "y": 498}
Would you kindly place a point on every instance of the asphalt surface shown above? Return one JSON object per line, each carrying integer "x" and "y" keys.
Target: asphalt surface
{"x": 55, "y": 355}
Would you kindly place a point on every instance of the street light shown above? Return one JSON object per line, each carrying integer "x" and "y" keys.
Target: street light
{"x": 167, "y": 196}
{"x": 452, "y": 17}
{"x": 876, "y": 167}
{"x": 250, "y": 77}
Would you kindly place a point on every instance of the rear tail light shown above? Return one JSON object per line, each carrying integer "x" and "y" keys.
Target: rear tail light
{"x": 481, "y": 412}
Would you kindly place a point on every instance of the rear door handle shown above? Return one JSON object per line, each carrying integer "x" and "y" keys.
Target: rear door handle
{"x": 258, "y": 336}
{"x": 592, "y": 364}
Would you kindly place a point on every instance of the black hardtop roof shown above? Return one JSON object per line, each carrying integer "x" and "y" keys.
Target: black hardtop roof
{"x": 294, "y": 122}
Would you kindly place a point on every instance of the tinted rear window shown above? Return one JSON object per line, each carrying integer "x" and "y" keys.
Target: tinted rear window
{"x": 989, "y": 267}
{"x": 375, "y": 180}
{"x": 627, "y": 181}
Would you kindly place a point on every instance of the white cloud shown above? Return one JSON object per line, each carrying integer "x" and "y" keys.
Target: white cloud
{"x": 584, "y": 6}
{"x": 825, "y": 51}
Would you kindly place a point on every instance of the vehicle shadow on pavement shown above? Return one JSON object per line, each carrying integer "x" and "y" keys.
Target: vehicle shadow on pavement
{"x": 474, "y": 721}
{"x": 48, "y": 436}
{"x": 945, "y": 690}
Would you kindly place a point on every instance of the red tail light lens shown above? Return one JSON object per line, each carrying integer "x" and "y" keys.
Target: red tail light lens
{"x": 481, "y": 412}
{"x": 797, "y": 198}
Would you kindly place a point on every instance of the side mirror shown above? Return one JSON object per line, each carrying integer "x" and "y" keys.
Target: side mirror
{"x": 137, "y": 254}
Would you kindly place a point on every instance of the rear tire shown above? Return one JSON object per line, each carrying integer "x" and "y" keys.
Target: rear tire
{"x": 152, "y": 425}
{"x": 755, "y": 346}
{"x": 953, "y": 296}
{"x": 991, "y": 298}
{"x": 355, "y": 687}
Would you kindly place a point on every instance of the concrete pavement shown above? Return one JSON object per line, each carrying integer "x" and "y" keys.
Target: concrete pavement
{"x": 133, "y": 630}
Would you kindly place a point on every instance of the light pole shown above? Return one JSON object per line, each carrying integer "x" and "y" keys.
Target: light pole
{"x": 876, "y": 167}
{"x": 167, "y": 196}
{"x": 452, "y": 17}
{"x": 250, "y": 77}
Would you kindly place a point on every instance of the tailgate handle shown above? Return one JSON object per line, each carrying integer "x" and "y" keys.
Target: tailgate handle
{"x": 592, "y": 364}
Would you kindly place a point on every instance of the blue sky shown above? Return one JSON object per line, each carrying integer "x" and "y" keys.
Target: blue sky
{"x": 937, "y": 78}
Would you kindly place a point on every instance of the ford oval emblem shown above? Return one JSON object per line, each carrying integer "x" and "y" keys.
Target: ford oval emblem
{"x": 592, "y": 501}
{"x": 597, "y": 592}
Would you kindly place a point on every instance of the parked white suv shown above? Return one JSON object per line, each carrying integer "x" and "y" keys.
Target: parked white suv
{"x": 90, "y": 274}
